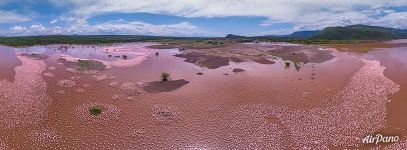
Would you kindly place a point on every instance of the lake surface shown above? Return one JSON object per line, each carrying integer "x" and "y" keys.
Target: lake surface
{"x": 46, "y": 101}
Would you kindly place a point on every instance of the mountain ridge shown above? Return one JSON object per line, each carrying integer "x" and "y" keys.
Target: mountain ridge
{"x": 350, "y": 32}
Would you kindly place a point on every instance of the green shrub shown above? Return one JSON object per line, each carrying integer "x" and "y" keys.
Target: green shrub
{"x": 287, "y": 64}
{"x": 96, "y": 110}
{"x": 165, "y": 76}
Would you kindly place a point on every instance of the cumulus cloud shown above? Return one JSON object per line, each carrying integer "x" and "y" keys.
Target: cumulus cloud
{"x": 112, "y": 27}
{"x": 35, "y": 29}
{"x": 12, "y": 17}
{"x": 303, "y": 14}
{"x": 135, "y": 27}
{"x": 300, "y": 11}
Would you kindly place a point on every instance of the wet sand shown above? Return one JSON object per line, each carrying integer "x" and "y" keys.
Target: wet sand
{"x": 268, "y": 106}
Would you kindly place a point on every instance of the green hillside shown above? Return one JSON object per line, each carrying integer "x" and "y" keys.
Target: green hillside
{"x": 360, "y": 32}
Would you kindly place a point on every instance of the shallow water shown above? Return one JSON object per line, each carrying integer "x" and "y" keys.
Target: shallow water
{"x": 267, "y": 106}
{"x": 8, "y": 61}
{"x": 394, "y": 59}
{"x": 80, "y": 51}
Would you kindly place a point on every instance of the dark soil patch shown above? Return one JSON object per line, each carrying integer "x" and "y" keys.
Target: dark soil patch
{"x": 167, "y": 86}
{"x": 264, "y": 61}
{"x": 205, "y": 60}
{"x": 238, "y": 70}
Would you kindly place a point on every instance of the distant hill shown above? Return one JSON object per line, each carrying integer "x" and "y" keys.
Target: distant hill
{"x": 352, "y": 32}
{"x": 360, "y": 32}
{"x": 303, "y": 34}
{"x": 232, "y": 36}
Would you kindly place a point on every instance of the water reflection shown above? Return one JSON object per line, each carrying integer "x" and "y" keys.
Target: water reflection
{"x": 8, "y": 61}
{"x": 79, "y": 51}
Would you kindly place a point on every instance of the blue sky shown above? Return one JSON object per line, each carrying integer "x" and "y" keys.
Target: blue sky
{"x": 193, "y": 17}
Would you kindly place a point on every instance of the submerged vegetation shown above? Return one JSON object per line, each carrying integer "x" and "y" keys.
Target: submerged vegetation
{"x": 90, "y": 65}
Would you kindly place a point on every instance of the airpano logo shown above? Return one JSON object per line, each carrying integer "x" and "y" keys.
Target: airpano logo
{"x": 378, "y": 138}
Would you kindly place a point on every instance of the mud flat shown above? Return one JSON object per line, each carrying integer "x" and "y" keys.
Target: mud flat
{"x": 204, "y": 60}
{"x": 215, "y": 57}
{"x": 305, "y": 55}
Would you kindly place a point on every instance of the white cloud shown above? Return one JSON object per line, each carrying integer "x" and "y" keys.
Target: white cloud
{"x": 53, "y": 21}
{"x": 17, "y": 29}
{"x": 11, "y": 17}
{"x": 280, "y": 10}
{"x": 135, "y": 27}
{"x": 112, "y": 27}
{"x": 35, "y": 29}
{"x": 304, "y": 14}
{"x": 396, "y": 20}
